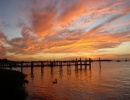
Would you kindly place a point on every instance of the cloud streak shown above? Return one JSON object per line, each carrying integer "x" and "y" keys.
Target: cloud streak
{"x": 71, "y": 26}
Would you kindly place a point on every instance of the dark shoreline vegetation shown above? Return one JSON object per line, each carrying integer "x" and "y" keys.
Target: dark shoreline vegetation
{"x": 12, "y": 85}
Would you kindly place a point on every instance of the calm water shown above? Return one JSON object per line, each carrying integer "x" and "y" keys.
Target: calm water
{"x": 111, "y": 82}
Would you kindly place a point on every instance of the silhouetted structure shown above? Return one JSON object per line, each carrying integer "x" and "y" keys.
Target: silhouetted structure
{"x": 6, "y": 63}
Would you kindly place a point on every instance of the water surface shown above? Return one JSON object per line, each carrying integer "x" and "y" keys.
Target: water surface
{"x": 110, "y": 82}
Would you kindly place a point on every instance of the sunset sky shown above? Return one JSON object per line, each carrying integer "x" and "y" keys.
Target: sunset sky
{"x": 64, "y": 29}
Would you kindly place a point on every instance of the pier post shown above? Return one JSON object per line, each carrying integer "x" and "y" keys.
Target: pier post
{"x": 90, "y": 63}
{"x": 68, "y": 63}
{"x": 85, "y": 63}
{"x": 54, "y": 63}
{"x": 31, "y": 64}
{"x": 99, "y": 63}
{"x": 61, "y": 63}
{"x": 57, "y": 63}
{"x": 10, "y": 65}
{"x": 42, "y": 64}
{"x": 51, "y": 63}
{"x": 80, "y": 63}
{"x": 21, "y": 64}
{"x": 76, "y": 64}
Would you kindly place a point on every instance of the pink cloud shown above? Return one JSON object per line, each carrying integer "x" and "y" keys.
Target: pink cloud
{"x": 89, "y": 17}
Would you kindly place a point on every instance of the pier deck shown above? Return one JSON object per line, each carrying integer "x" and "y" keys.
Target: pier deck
{"x": 45, "y": 63}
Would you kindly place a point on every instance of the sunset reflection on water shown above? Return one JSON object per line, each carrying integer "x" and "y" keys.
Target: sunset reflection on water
{"x": 111, "y": 81}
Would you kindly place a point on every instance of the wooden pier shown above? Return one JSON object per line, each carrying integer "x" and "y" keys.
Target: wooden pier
{"x": 80, "y": 64}
{"x": 60, "y": 63}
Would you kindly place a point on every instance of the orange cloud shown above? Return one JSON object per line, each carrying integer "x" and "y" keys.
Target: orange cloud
{"x": 70, "y": 27}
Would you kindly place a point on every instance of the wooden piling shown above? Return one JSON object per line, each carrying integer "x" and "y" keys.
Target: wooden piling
{"x": 42, "y": 64}
{"x": 99, "y": 63}
{"x": 76, "y": 62}
{"x": 21, "y": 64}
{"x": 90, "y": 63}
{"x": 85, "y": 63}
{"x": 31, "y": 64}
{"x": 80, "y": 63}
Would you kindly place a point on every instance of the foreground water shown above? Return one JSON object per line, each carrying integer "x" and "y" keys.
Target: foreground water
{"x": 110, "y": 82}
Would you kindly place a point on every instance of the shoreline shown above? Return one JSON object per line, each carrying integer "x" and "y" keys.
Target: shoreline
{"x": 12, "y": 85}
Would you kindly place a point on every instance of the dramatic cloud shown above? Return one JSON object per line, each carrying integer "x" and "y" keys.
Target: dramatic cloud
{"x": 70, "y": 26}
{"x": 26, "y": 44}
